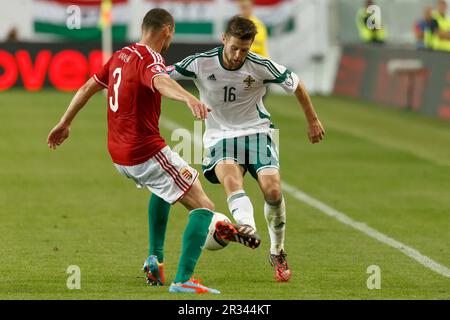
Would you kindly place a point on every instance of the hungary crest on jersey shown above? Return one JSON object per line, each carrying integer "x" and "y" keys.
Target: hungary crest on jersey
{"x": 186, "y": 174}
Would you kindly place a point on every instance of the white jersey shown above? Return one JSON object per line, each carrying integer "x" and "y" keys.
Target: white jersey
{"x": 234, "y": 95}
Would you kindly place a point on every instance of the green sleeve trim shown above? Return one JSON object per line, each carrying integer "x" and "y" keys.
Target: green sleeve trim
{"x": 188, "y": 60}
{"x": 185, "y": 61}
{"x": 279, "y": 79}
{"x": 185, "y": 72}
{"x": 265, "y": 62}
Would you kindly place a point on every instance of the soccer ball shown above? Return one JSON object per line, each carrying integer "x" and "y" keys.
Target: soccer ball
{"x": 213, "y": 242}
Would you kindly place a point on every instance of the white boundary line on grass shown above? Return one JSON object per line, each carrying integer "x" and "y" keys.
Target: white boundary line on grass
{"x": 343, "y": 218}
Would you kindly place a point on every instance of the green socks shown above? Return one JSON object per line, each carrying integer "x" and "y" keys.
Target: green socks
{"x": 194, "y": 238}
{"x": 158, "y": 215}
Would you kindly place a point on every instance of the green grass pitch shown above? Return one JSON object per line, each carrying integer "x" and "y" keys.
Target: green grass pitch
{"x": 383, "y": 167}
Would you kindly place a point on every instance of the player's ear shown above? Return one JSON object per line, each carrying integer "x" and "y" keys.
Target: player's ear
{"x": 224, "y": 38}
{"x": 166, "y": 30}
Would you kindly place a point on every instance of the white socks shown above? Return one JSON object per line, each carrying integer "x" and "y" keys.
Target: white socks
{"x": 275, "y": 213}
{"x": 241, "y": 208}
{"x": 276, "y": 220}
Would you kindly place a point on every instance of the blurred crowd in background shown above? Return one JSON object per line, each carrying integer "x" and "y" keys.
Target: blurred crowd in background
{"x": 433, "y": 29}
{"x": 430, "y": 31}
{"x": 388, "y": 51}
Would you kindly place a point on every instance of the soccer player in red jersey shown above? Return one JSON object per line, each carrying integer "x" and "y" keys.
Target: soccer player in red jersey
{"x": 135, "y": 78}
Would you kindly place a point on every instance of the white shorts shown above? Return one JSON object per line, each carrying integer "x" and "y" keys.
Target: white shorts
{"x": 165, "y": 174}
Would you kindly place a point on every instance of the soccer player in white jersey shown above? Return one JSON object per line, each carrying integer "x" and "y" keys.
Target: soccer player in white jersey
{"x": 238, "y": 135}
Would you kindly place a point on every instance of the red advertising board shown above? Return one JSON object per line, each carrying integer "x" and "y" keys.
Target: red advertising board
{"x": 423, "y": 85}
{"x": 64, "y": 66}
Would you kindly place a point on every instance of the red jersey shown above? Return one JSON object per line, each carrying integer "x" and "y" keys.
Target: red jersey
{"x": 134, "y": 106}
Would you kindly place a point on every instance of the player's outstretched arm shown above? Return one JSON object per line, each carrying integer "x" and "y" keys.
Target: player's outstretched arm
{"x": 61, "y": 131}
{"x": 315, "y": 128}
{"x": 172, "y": 90}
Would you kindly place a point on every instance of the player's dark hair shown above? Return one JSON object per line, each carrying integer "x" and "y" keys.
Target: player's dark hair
{"x": 241, "y": 28}
{"x": 156, "y": 19}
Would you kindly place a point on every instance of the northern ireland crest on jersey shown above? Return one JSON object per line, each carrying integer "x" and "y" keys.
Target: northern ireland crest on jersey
{"x": 249, "y": 80}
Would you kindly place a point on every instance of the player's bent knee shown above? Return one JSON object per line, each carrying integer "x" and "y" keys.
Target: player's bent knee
{"x": 232, "y": 182}
{"x": 273, "y": 194}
